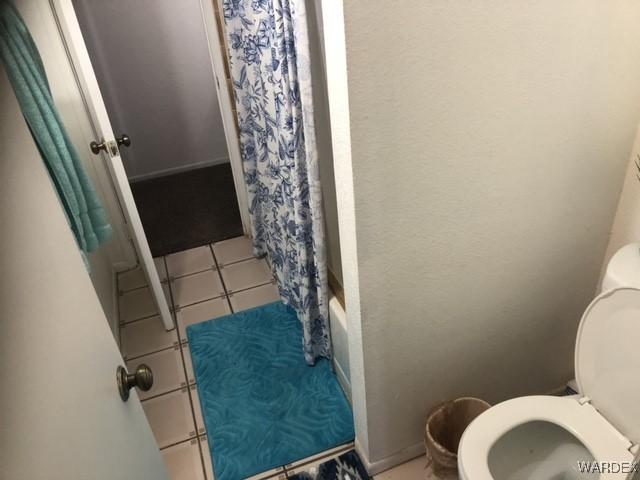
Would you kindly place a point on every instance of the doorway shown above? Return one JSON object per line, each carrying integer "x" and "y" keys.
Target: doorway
{"x": 153, "y": 63}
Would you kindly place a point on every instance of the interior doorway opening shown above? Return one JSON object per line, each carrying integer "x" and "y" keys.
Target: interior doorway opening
{"x": 156, "y": 69}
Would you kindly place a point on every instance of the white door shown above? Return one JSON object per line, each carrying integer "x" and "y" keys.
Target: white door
{"x": 61, "y": 416}
{"x": 72, "y": 36}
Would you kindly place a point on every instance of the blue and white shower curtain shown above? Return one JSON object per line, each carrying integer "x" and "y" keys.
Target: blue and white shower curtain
{"x": 269, "y": 62}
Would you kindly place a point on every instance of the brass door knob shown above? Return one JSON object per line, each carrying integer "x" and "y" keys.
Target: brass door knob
{"x": 96, "y": 147}
{"x": 124, "y": 140}
{"x": 142, "y": 378}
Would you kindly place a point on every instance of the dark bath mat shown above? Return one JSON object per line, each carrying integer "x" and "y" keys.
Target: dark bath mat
{"x": 347, "y": 466}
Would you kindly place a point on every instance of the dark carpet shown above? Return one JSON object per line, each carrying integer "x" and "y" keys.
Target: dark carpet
{"x": 188, "y": 209}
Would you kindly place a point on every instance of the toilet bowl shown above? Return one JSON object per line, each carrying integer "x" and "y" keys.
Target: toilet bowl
{"x": 591, "y": 435}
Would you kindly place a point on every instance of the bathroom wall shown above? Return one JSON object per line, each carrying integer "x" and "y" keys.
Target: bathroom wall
{"x": 626, "y": 226}
{"x": 118, "y": 253}
{"x": 152, "y": 62}
{"x": 485, "y": 149}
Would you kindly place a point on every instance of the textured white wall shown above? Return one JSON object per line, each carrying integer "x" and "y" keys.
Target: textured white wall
{"x": 152, "y": 62}
{"x": 626, "y": 226}
{"x": 489, "y": 141}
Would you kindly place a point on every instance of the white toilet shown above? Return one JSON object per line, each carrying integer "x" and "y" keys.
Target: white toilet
{"x": 545, "y": 437}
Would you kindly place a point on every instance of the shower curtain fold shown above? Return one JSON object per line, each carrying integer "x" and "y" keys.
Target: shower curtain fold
{"x": 26, "y": 73}
{"x": 269, "y": 63}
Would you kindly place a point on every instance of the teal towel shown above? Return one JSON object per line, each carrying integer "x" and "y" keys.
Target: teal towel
{"x": 22, "y": 61}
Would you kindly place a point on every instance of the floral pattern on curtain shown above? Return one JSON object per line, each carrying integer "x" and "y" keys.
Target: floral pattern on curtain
{"x": 269, "y": 62}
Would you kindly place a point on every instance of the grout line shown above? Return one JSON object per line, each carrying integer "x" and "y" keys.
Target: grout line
{"x": 124, "y": 292}
{"x": 180, "y": 307}
{"x": 193, "y": 410}
{"x": 270, "y": 282}
{"x": 180, "y": 443}
{"x": 190, "y": 274}
{"x": 224, "y": 286}
{"x": 172, "y": 303}
{"x": 191, "y": 400}
{"x": 231, "y": 309}
{"x": 202, "y": 462}
{"x": 166, "y": 269}
{"x": 139, "y": 319}
{"x": 174, "y": 390}
{"x": 241, "y": 260}
{"x": 137, "y": 357}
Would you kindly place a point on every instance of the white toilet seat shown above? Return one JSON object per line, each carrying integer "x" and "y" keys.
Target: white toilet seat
{"x": 604, "y": 442}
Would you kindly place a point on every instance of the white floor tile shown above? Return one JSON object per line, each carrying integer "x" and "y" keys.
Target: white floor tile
{"x": 161, "y": 268}
{"x": 139, "y": 303}
{"x": 197, "y": 410}
{"x": 196, "y": 288}
{"x": 206, "y": 458}
{"x": 188, "y": 364}
{"x": 146, "y": 336}
{"x": 136, "y": 278}
{"x": 170, "y": 417}
{"x": 168, "y": 373}
{"x": 246, "y": 274}
{"x": 189, "y": 261}
{"x": 412, "y": 470}
{"x": 131, "y": 280}
{"x": 201, "y": 312}
{"x": 254, "y": 297}
{"x": 183, "y": 461}
{"x": 233, "y": 250}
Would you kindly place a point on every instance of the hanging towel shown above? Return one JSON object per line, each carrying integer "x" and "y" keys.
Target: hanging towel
{"x": 22, "y": 61}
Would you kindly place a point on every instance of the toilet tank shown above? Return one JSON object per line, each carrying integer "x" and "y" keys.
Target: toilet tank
{"x": 623, "y": 270}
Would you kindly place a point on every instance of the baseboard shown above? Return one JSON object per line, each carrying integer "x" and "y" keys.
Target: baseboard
{"x": 404, "y": 455}
{"x": 342, "y": 380}
{"x": 179, "y": 169}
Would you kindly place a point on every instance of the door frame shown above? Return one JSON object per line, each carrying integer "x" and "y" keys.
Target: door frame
{"x": 216, "y": 52}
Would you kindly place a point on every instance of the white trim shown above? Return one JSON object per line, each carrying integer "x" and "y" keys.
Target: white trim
{"x": 391, "y": 461}
{"x": 71, "y": 35}
{"x": 342, "y": 379}
{"x": 338, "y": 92}
{"x": 226, "y": 110}
{"x": 179, "y": 169}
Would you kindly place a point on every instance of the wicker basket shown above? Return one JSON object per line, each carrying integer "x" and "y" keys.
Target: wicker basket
{"x": 445, "y": 427}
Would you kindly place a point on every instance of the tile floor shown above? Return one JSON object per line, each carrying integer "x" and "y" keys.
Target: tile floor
{"x": 200, "y": 284}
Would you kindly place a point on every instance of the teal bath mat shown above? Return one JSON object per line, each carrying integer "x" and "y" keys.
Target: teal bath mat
{"x": 263, "y": 406}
